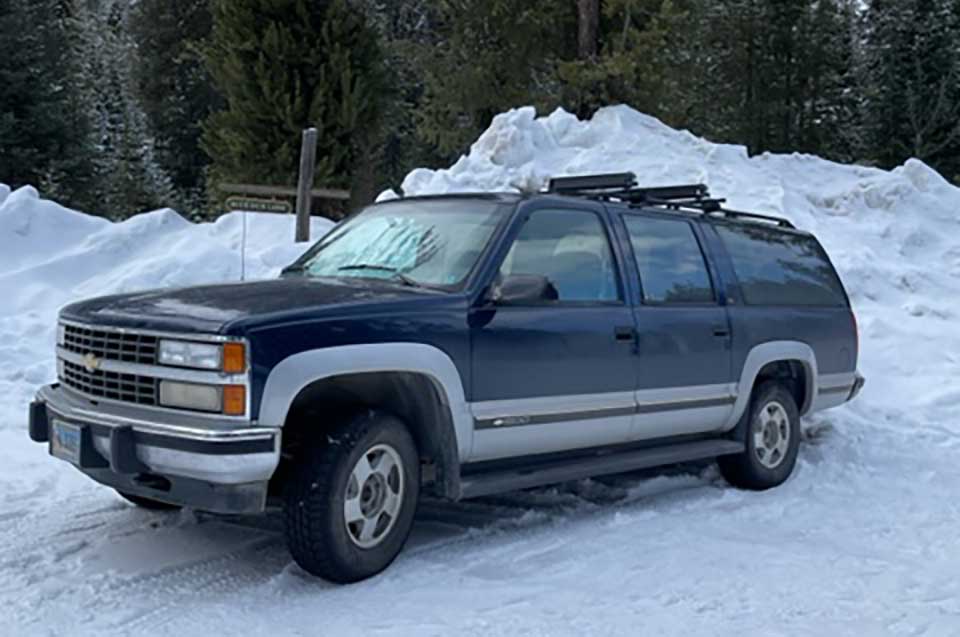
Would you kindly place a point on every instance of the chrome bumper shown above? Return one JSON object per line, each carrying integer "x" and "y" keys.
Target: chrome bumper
{"x": 126, "y": 441}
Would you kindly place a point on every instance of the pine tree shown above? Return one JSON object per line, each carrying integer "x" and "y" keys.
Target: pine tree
{"x": 829, "y": 122}
{"x": 44, "y": 131}
{"x": 173, "y": 88}
{"x": 774, "y": 75}
{"x": 489, "y": 56}
{"x": 632, "y": 61}
{"x": 127, "y": 175}
{"x": 407, "y": 31}
{"x": 284, "y": 65}
{"x": 911, "y": 91}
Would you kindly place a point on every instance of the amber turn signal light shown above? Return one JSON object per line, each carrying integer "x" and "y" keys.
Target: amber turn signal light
{"x": 234, "y": 358}
{"x": 234, "y": 400}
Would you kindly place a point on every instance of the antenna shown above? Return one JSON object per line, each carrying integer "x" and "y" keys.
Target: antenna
{"x": 243, "y": 247}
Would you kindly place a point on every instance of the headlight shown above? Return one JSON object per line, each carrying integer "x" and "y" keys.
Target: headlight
{"x": 227, "y": 399}
{"x": 186, "y": 354}
{"x": 61, "y": 334}
{"x": 229, "y": 357}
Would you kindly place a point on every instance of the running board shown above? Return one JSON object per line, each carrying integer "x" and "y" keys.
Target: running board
{"x": 488, "y": 483}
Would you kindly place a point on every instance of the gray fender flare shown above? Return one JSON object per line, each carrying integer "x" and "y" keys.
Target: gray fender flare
{"x": 295, "y": 372}
{"x": 771, "y": 352}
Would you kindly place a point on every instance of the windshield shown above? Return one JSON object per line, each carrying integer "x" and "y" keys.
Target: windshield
{"x": 417, "y": 243}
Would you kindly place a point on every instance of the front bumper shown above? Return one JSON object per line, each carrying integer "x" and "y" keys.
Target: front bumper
{"x": 200, "y": 462}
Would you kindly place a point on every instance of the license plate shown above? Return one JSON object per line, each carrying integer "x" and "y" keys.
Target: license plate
{"x": 65, "y": 441}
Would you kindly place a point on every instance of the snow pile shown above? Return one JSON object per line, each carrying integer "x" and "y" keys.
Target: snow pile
{"x": 50, "y": 256}
{"x": 894, "y": 236}
{"x": 860, "y": 541}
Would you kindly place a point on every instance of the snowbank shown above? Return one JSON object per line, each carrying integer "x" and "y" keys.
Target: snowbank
{"x": 860, "y": 541}
{"x": 50, "y": 256}
{"x": 894, "y": 235}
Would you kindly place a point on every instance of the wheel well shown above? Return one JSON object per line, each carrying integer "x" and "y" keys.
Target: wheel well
{"x": 792, "y": 374}
{"x": 412, "y": 397}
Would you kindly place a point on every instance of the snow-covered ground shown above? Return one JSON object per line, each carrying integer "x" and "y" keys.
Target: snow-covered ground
{"x": 863, "y": 540}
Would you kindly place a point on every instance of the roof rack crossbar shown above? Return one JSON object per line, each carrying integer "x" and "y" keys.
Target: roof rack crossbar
{"x": 694, "y": 192}
{"x": 609, "y": 181}
{"x": 623, "y": 187}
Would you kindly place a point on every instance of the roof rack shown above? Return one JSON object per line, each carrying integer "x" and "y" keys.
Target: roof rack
{"x": 617, "y": 181}
{"x": 623, "y": 187}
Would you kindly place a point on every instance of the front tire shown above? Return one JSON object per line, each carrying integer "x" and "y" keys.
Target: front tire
{"x": 351, "y": 498}
{"x": 771, "y": 433}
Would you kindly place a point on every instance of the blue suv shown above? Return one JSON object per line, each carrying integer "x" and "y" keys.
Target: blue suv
{"x": 460, "y": 345}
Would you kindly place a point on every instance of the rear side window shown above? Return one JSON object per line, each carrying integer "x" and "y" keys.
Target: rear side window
{"x": 672, "y": 269}
{"x": 781, "y": 268}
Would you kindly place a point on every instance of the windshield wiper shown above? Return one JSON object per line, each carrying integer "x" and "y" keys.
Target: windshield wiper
{"x": 394, "y": 272}
{"x": 293, "y": 269}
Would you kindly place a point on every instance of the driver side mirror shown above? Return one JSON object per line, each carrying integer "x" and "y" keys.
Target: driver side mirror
{"x": 523, "y": 289}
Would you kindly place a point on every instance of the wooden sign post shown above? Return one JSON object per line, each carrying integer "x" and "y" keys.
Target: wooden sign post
{"x": 308, "y": 164}
{"x": 261, "y": 198}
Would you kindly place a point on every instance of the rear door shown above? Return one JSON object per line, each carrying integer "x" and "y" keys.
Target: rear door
{"x": 555, "y": 375}
{"x": 685, "y": 383}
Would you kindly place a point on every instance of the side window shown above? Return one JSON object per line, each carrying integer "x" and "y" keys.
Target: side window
{"x": 781, "y": 268}
{"x": 671, "y": 265}
{"x": 571, "y": 249}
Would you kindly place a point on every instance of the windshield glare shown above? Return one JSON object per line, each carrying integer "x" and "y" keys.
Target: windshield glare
{"x": 431, "y": 243}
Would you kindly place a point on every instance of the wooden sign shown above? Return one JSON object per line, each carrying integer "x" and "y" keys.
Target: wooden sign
{"x": 253, "y": 204}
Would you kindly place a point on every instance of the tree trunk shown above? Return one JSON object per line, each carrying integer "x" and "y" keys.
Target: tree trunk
{"x": 588, "y": 21}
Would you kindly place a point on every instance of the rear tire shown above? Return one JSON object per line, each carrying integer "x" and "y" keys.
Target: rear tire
{"x": 350, "y": 500}
{"x": 771, "y": 433}
{"x": 148, "y": 503}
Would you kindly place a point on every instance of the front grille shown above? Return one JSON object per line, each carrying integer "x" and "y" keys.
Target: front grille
{"x": 114, "y": 346}
{"x": 131, "y": 388}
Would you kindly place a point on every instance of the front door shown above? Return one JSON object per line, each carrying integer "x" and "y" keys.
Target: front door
{"x": 685, "y": 383}
{"x": 561, "y": 374}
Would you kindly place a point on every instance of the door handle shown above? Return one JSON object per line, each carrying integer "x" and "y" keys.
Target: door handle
{"x": 721, "y": 331}
{"x": 625, "y": 334}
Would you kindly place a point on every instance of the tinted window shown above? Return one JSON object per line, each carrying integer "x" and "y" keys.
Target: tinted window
{"x": 781, "y": 268}
{"x": 571, "y": 249}
{"x": 672, "y": 269}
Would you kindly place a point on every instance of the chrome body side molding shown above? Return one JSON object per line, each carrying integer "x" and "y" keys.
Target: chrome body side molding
{"x": 547, "y": 424}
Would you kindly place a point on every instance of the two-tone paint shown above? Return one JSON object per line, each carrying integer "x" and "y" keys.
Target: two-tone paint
{"x": 517, "y": 381}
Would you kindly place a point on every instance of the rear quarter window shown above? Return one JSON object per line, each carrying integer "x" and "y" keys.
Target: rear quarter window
{"x": 781, "y": 268}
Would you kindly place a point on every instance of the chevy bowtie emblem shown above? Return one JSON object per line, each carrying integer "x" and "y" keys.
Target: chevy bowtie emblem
{"x": 91, "y": 362}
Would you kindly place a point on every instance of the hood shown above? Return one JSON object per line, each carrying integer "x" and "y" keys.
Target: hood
{"x": 209, "y": 308}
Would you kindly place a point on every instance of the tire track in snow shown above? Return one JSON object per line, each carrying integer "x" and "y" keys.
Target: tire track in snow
{"x": 168, "y": 596}
{"x": 481, "y": 539}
